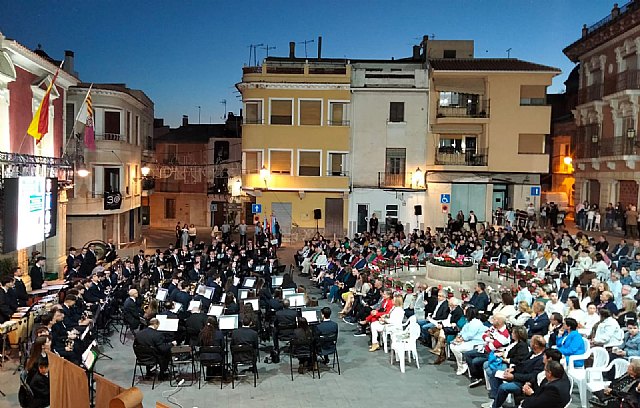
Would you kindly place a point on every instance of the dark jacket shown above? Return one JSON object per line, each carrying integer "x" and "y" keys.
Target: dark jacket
{"x": 553, "y": 394}
{"x": 152, "y": 338}
{"x": 131, "y": 313}
{"x": 37, "y": 277}
{"x": 5, "y": 307}
{"x": 244, "y": 335}
{"x": 480, "y": 300}
{"x": 21, "y": 292}
{"x": 528, "y": 369}
{"x": 538, "y": 325}
{"x": 442, "y": 312}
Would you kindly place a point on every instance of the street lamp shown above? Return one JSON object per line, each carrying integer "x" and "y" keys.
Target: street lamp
{"x": 568, "y": 160}
{"x": 81, "y": 170}
{"x": 418, "y": 178}
{"x": 145, "y": 170}
{"x": 631, "y": 133}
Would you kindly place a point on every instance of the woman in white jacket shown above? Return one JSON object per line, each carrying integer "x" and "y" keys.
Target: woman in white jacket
{"x": 506, "y": 308}
{"x": 391, "y": 320}
{"x": 608, "y": 333}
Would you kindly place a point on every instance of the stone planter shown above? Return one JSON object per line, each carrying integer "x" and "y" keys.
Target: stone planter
{"x": 450, "y": 274}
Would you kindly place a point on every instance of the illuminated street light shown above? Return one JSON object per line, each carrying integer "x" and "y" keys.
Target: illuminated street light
{"x": 82, "y": 170}
{"x": 568, "y": 160}
{"x": 145, "y": 170}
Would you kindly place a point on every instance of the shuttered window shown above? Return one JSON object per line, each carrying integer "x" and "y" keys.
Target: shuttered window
{"x": 310, "y": 113}
{"x": 281, "y": 112}
{"x": 280, "y": 161}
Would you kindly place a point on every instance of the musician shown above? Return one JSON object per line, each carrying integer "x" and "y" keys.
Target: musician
{"x": 245, "y": 335}
{"x": 72, "y": 317}
{"x": 215, "y": 281}
{"x": 127, "y": 271}
{"x": 63, "y": 339}
{"x": 194, "y": 325}
{"x": 39, "y": 384}
{"x": 194, "y": 273}
{"x": 230, "y": 305}
{"x": 150, "y": 337}
{"x": 182, "y": 296}
{"x": 89, "y": 262}
{"x": 110, "y": 254}
{"x": 93, "y": 293}
{"x": 174, "y": 259}
{"x": 285, "y": 318}
{"x": 19, "y": 288}
{"x": 74, "y": 272}
{"x": 138, "y": 261}
{"x": 37, "y": 274}
{"x": 8, "y": 303}
{"x": 131, "y": 311}
{"x": 71, "y": 258}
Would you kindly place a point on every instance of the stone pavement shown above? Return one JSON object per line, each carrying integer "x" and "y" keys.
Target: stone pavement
{"x": 367, "y": 378}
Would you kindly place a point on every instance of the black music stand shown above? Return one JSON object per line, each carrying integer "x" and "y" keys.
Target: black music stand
{"x": 101, "y": 338}
{"x": 89, "y": 359}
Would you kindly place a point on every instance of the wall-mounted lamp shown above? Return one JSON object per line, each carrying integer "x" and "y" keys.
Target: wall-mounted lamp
{"x": 568, "y": 160}
{"x": 264, "y": 174}
{"x": 418, "y": 178}
{"x": 145, "y": 170}
{"x": 631, "y": 133}
{"x": 81, "y": 170}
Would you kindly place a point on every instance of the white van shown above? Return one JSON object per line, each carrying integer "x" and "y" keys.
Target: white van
{"x": 560, "y": 198}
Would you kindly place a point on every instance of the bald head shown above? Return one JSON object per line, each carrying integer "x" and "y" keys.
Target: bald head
{"x": 133, "y": 293}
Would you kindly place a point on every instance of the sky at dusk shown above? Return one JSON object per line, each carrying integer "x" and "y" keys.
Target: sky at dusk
{"x": 189, "y": 53}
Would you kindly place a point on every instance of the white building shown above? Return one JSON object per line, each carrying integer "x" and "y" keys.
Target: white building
{"x": 123, "y": 127}
{"x": 388, "y": 142}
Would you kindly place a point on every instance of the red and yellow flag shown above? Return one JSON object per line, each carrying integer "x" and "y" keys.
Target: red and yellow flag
{"x": 40, "y": 123}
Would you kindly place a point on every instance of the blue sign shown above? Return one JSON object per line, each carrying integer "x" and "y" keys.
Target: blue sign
{"x": 535, "y": 191}
{"x": 256, "y": 208}
{"x": 445, "y": 198}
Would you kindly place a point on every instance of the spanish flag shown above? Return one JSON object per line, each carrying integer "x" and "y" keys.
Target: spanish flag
{"x": 40, "y": 123}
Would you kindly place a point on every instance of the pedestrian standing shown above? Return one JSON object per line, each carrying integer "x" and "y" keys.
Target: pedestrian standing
{"x": 242, "y": 229}
{"x": 632, "y": 222}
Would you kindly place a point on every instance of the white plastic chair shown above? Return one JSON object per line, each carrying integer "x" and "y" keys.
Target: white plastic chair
{"x": 522, "y": 263}
{"x": 405, "y": 343}
{"x": 595, "y": 382}
{"x": 390, "y": 330}
{"x": 580, "y": 375}
{"x": 321, "y": 262}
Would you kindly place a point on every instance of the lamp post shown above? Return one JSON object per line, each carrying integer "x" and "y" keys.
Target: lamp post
{"x": 145, "y": 170}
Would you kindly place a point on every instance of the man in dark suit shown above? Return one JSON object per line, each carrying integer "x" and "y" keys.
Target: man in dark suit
{"x": 151, "y": 337}
{"x": 110, "y": 254}
{"x": 89, "y": 262}
{"x": 182, "y": 296}
{"x": 441, "y": 313}
{"x": 539, "y": 324}
{"x": 131, "y": 311}
{"x": 7, "y": 305}
{"x": 71, "y": 258}
{"x": 285, "y": 323}
{"x": 19, "y": 288}
{"x": 552, "y": 393}
{"x": 195, "y": 323}
{"x": 37, "y": 273}
{"x": 93, "y": 294}
{"x": 245, "y": 335}
{"x": 326, "y": 327}
{"x": 514, "y": 378}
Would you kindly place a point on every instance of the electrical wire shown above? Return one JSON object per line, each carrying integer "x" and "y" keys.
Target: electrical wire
{"x": 170, "y": 398}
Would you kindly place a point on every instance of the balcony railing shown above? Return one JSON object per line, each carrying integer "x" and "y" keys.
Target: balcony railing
{"x": 478, "y": 157}
{"x": 337, "y": 173}
{"x": 587, "y": 150}
{"x": 619, "y": 146}
{"x": 591, "y": 93}
{"x": 476, "y": 109}
{"x": 338, "y": 123}
{"x": 112, "y": 137}
{"x": 253, "y": 121}
{"x": 393, "y": 180}
{"x": 628, "y": 80}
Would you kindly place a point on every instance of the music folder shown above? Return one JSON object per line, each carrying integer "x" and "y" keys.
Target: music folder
{"x": 249, "y": 282}
{"x": 296, "y": 300}
{"x": 215, "y": 310}
{"x": 254, "y": 303}
{"x": 276, "y": 281}
{"x": 310, "y": 315}
{"x": 162, "y": 294}
{"x": 288, "y": 292}
{"x": 229, "y": 322}
{"x": 243, "y": 293}
{"x": 194, "y": 305}
{"x": 168, "y": 325}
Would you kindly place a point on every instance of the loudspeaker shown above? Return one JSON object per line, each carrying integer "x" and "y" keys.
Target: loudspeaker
{"x": 417, "y": 210}
{"x": 317, "y": 214}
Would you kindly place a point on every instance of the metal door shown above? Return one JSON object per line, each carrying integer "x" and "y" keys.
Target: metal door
{"x": 282, "y": 212}
{"x": 333, "y": 223}
{"x": 363, "y": 213}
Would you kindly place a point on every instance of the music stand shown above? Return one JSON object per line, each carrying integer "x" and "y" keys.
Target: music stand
{"x": 22, "y": 349}
{"x": 89, "y": 359}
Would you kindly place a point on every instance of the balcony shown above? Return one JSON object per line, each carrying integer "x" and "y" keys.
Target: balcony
{"x": 475, "y": 108}
{"x": 619, "y": 146}
{"x": 591, "y": 93}
{"x": 113, "y": 137}
{"x": 628, "y": 80}
{"x": 448, "y": 156}
{"x": 587, "y": 150}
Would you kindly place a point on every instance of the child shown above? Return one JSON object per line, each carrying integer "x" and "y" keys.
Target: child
{"x": 596, "y": 226}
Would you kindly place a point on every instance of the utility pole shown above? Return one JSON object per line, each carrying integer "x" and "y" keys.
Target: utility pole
{"x": 267, "y": 48}
{"x": 305, "y": 42}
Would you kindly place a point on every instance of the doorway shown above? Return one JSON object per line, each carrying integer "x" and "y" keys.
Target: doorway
{"x": 363, "y": 213}
{"x": 334, "y": 221}
{"x": 499, "y": 198}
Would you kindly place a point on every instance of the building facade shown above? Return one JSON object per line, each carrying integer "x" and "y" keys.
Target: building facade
{"x": 488, "y": 121}
{"x": 389, "y": 105}
{"x": 195, "y": 169}
{"x": 24, "y": 78}
{"x": 107, "y": 203}
{"x": 295, "y": 143}
{"x": 606, "y": 146}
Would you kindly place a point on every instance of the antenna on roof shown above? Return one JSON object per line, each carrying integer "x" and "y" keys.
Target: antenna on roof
{"x": 224, "y": 103}
{"x": 252, "y": 52}
{"x": 305, "y": 42}
{"x": 267, "y": 48}
{"x": 508, "y": 52}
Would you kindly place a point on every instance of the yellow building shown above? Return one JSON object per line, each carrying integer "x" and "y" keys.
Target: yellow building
{"x": 295, "y": 143}
{"x": 488, "y": 122}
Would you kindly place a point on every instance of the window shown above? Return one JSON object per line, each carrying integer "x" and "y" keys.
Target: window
{"x": 396, "y": 112}
{"x": 112, "y": 125}
{"x": 281, "y": 112}
{"x": 171, "y": 154}
{"x": 280, "y": 161}
{"x": 71, "y": 119}
{"x": 391, "y": 215}
{"x": 252, "y": 162}
{"x": 449, "y": 54}
{"x": 253, "y": 112}
{"x": 338, "y": 113}
{"x": 337, "y": 165}
{"x": 530, "y": 144}
{"x": 169, "y": 208}
{"x": 127, "y": 179}
{"x": 136, "y": 131}
{"x": 310, "y": 113}
{"x": 128, "y": 127}
{"x": 308, "y": 163}
{"x": 533, "y": 95}
{"x": 396, "y": 159}
{"x": 449, "y": 98}
{"x": 221, "y": 151}
{"x": 111, "y": 179}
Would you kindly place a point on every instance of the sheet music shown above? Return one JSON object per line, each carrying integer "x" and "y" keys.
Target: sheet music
{"x": 169, "y": 325}
{"x": 215, "y": 310}
{"x": 194, "y": 305}
{"x": 176, "y": 307}
{"x": 236, "y": 280}
{"x": 162, "y": 294}
{"x": 229, "y": 322}
{"x": 310, "y": 315}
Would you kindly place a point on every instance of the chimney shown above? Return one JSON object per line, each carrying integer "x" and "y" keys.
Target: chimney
{"x": 425, "y": 40}
{"x": 585, "y": 30}
{"x": 185, "y": 120}
{"x": 292, "y": 49}
{"x": 319, "y": 46}
{"x": 68, "y": 65}
{"x": 416, "y": 52}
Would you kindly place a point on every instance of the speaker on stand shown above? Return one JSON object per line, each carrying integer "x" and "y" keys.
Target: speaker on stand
{"x": 417, "y": 210}
{"x": 317, "y": 214}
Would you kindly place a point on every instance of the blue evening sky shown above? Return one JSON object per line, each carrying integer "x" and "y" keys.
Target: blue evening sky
{"x": 189, "y": 53}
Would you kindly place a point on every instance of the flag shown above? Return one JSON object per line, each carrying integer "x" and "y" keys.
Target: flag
{"x": 40, "y": 123}
{"x": 89, "y": 135}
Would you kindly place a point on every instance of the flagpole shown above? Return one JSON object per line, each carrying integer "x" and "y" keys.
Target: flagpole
{"x": 73, "y": 130}
{"x": 48, "y": 90}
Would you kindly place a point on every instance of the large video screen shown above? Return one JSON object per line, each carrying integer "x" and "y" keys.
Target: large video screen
{"x": 30, "y": 211}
